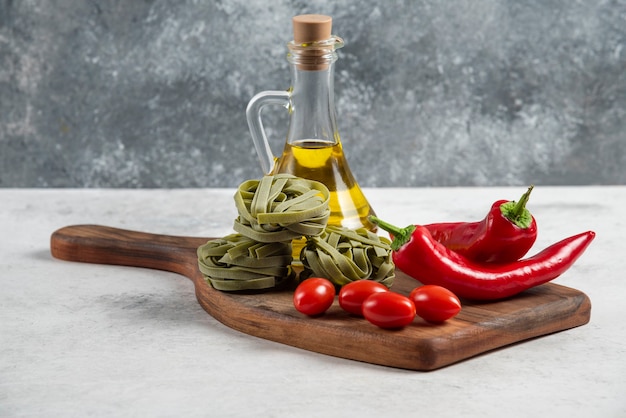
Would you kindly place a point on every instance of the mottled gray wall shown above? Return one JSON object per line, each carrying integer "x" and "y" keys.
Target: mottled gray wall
{"x": 429, "y": 93}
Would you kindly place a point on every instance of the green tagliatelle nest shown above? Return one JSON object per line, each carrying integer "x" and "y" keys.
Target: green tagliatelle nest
{"x": 280, "y": 208}
{"x": 345, "y": 255}
{"x": 237, "y": 263}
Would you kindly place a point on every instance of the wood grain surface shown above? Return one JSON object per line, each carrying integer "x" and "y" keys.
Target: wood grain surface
{"x": 479, "y": 327}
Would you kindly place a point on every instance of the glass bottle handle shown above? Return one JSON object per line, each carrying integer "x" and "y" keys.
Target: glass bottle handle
{"x": 255, "y": 124}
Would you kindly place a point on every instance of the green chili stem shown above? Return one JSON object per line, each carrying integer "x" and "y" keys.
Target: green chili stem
{"x": 521, "y": 205}
{"x": 516, "y": 212}
{"x": 400, "y": 235}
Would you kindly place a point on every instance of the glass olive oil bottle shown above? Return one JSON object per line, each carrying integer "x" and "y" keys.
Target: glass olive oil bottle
{"x": 313, "y": 147}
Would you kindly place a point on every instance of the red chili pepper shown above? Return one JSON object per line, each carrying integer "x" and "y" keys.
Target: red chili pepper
{"x": 506, "y": 234}
{"x": 420, "y": 256}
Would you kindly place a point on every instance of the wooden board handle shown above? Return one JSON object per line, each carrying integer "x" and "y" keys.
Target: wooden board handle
{"x": 106, "y": 245}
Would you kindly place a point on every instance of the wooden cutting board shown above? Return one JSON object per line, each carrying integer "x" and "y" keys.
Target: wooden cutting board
{"x": 479, "y": 327}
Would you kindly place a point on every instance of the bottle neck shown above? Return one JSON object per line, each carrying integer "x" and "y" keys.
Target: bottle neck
{"x": 312, "y": 102}
{"x": 312, "y": 107}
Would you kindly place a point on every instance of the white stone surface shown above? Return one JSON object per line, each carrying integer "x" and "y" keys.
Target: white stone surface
{"x": 82, "y": 340}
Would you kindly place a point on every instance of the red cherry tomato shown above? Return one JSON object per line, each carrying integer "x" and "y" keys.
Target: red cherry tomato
{"x": 389, "y": 310}
{"x": 314, "y": 296}
{"x": 435, "y": 303}
{"x": 352, "y": 295}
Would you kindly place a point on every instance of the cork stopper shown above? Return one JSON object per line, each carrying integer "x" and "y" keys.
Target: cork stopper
{"x": 313, "y": 43}
{"x": 311, "y": 28}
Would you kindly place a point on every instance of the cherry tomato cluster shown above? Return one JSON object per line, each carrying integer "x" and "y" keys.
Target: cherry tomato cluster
{"x": 376, "y": 303}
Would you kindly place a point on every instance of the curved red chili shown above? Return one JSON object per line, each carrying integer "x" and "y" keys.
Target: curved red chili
{"x": 420, "y": 256}
{"x": 506, "y": 234}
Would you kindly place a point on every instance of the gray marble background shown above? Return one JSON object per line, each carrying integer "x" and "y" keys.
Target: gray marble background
{"x": 429, "y": 93}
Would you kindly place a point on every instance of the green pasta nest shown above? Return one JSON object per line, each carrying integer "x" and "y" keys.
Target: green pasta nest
{"x": 281, "y": 208}
{"x": 272, "y": 212}
{"x": 345, "y": 255}
{"x": 237, "y": 263}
